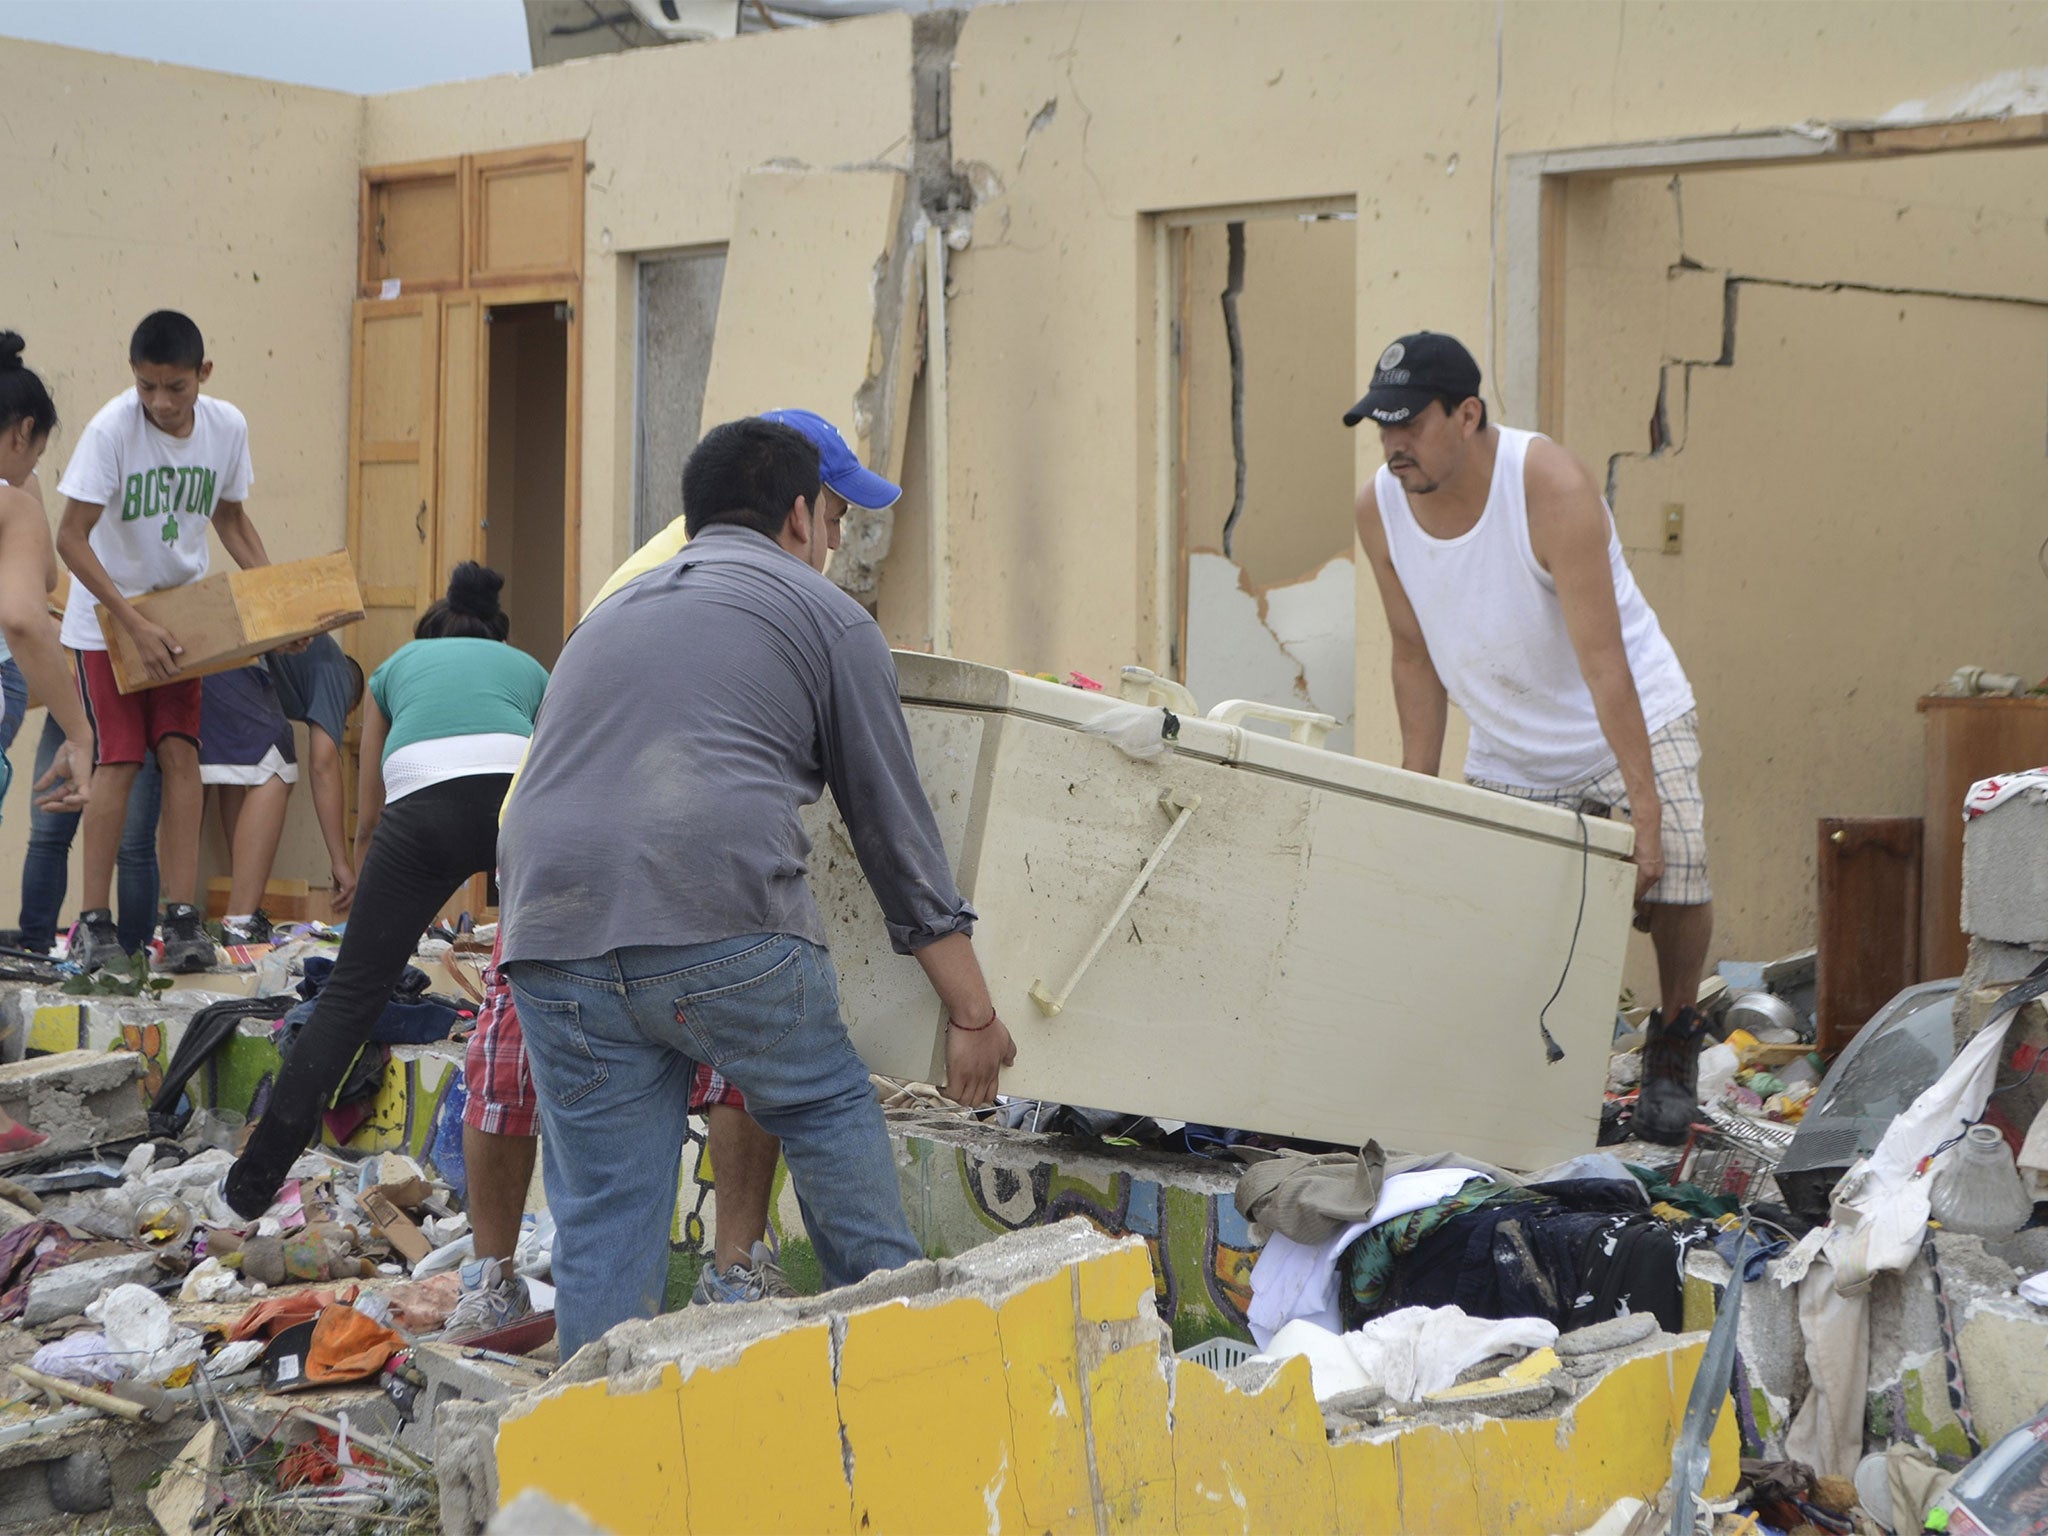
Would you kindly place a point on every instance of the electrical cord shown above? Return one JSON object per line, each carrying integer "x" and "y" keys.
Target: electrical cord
{"x": 1553, "y": 1053}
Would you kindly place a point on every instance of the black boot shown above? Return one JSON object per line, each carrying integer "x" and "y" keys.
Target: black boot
{"x": 1670, "y": 1098}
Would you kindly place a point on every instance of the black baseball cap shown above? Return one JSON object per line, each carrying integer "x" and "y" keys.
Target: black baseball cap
{"x": 1412, "y": 372}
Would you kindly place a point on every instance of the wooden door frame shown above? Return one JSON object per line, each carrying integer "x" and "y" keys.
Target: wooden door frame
{"x": 571, "y": 295}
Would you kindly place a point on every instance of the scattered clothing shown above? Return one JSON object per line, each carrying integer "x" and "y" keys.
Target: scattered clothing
{"x": 1419, "y": 1350}
{"x": 316, "y": 686}
{"x": 1311, "y": 1198}
{"x": 1297, "y": 1280}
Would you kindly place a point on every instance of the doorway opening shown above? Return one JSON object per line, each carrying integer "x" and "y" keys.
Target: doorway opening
{"x": 526, "y": 469}
{"x": 1257, "y": 524}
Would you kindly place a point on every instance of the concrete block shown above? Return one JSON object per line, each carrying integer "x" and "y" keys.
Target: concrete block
{"x": 70, "y": 1290}
{"x": 2005, "y": 872}
{"x": 79, "y": 1099}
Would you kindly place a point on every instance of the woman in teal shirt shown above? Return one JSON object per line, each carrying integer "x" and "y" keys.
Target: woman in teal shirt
{"x": 447, "y": 727}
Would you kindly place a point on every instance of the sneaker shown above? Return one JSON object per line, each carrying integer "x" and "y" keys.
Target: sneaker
{"x": 1669, "y": 1102}
{"x": 254, "y": 929}
{"x": 760, "y": 1280}
{"x": 96, "y": 942}
{"x": 493, "y": 1297}
{"x": 187, "y": 945}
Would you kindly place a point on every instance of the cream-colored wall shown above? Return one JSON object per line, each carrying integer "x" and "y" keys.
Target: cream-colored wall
{"x": 1862, "y": 480}
{"x": 132, "y": 186}
{"x": 668, "y": 134}
{"x": 1077, "y": 121}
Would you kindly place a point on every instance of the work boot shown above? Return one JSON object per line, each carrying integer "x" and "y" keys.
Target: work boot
{"x": 492, "y": 1298}
{"x": 1670, "y": 1098}
{"x": 187, "y": 945}
{"x": 96, "y": 941}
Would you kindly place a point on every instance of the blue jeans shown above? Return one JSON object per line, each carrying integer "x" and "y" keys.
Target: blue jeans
{"x": 46, "y": 868}
{"x": 13, "y": 707}
{"x": 614, "y": 1042}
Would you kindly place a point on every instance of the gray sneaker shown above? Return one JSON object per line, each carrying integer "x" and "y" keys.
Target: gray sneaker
{"x": 492, "y": 1297}
{"x": 760, "y": 1280}
{"x": 96, "y": 942}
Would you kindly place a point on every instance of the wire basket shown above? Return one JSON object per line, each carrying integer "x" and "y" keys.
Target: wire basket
{"x": 1729, "y": 1162}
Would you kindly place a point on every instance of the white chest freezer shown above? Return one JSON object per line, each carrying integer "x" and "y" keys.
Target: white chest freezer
{"x": 1324, "y": 947}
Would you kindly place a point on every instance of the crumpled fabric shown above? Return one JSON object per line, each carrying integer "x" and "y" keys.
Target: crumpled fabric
{"x": 1312, "y": 1198}
{"x": 1878, "y": 1221}
{"x": 269, "y": 1318}
{"x": 1420, "y": 1350}
{"x": 1990, "y": 794}
{"x": 1294, "y": 1279}
{"x": 81, "y": 1357}
{"x": 1374, "y": 1256}
{"x": 28, "y": 1251}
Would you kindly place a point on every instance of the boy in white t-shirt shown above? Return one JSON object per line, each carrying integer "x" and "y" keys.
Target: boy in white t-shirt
{"x": 152, "y": 470}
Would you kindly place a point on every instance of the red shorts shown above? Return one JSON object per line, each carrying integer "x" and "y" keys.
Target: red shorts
{"x": 126, "y": 727}
{"x": 501, "y": 1096}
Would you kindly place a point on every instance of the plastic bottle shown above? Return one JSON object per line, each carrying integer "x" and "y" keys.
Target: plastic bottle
{"x": 1977, "y": 1190}
{"x": 163, "y": 1219}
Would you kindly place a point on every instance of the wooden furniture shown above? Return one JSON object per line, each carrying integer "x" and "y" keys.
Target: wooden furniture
{"x": 1869, "y": 939}
{"x": 1967, "y": 740}
{"x": 228, "y": 619}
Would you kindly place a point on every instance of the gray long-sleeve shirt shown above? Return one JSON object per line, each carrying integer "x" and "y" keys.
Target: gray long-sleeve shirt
{"x": 689, "y": 718}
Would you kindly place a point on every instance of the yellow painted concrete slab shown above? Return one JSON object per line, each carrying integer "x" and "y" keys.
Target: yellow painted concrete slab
{"x": 1051, "y": 1413}
{"x": 925, "y": 1406}
{"x": 618, "y": 1459}
{"x": 1247, "y": 1463}
{"x": 1042, "y": 1375}
{"x": 777, "y": 1399}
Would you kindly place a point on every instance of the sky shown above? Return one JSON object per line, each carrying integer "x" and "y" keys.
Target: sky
{"x": 364, "y": 46}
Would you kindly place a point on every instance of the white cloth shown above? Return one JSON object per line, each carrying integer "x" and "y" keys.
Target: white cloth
{"x": 1497, "y": 636}
{"x": 270, "y": 766}
{"x": 1877, "y": 1222}
{"x": 1990, "y": 794}
{"x": 450, "y": 757}
{"x": 1419, "y": 1350}
{"x": 2035, "y": 1289}
{"x": 1294, "y": 1280}
{"x": 158, "y": 492}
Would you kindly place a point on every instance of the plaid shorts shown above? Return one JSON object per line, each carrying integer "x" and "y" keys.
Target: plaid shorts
{"x": 1675, "y": 760}
{"x": 494, "y": 1070}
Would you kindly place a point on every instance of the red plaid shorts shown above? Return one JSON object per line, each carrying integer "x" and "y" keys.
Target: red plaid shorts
{"x": 501, "y": 1095}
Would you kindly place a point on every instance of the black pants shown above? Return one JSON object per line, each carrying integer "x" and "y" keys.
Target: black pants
{"x": 426, "y": 846}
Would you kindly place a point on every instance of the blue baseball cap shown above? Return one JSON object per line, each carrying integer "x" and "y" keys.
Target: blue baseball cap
{"x": 837, "y": 464}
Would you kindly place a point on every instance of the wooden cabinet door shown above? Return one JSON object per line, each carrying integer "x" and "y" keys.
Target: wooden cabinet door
{"x": 393, "y": 427}
{"x": 1869, "y": 943}
{"x": 526, "y": 214}
{"x": 412, "y": 226}
{"x": 459, "y": 529}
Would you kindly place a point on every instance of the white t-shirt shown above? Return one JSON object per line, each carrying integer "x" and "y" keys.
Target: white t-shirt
{"x": 158, "y": 492}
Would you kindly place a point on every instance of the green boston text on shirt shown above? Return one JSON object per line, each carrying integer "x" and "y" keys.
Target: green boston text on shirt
{"x": 157, "y": 492}
{"x": 433, "y": 689}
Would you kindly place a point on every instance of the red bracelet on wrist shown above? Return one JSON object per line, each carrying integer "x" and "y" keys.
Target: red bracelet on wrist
{"x": 973, "y": 1029}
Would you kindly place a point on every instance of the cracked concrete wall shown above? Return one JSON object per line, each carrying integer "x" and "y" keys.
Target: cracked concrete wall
{"x": 1836, "y": 370}
{"x": 1026, "y": 1386}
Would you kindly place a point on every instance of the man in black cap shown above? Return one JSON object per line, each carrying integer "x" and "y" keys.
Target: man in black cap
{"x": 1505, "y": 590}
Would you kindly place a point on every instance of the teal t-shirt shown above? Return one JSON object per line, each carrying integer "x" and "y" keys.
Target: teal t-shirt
{"x": 430, "y": 689}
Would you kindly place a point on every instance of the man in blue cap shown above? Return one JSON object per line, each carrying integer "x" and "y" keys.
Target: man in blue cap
{"x": 658, "y": 915}
{"x": 501, "y": 1115}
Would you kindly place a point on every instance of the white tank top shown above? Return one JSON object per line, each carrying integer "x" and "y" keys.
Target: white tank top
{"x": 1497, "y": 635}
